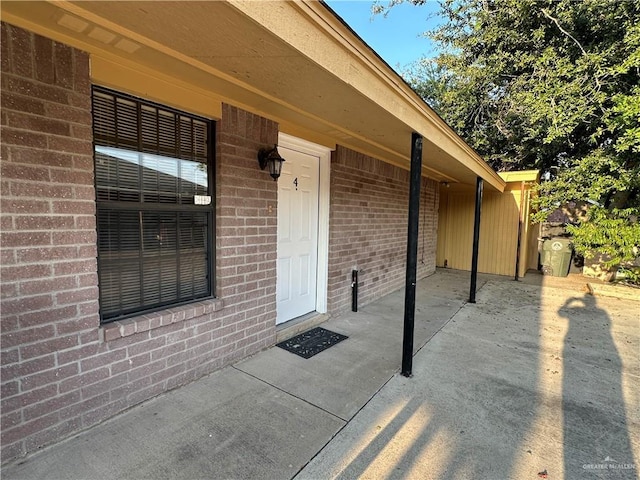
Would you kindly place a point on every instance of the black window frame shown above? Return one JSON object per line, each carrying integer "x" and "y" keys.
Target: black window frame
{"x": 157, "y": 207}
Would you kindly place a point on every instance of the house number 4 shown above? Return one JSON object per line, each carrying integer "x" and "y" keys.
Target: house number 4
{"x": 295, "y": 182}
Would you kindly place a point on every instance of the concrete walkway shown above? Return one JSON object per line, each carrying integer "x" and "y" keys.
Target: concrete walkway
{"x": 531, "y": 378}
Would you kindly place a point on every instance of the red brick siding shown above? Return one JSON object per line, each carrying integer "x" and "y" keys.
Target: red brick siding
{"x": 61, "y": 371}
{"x": 368, "y": 228}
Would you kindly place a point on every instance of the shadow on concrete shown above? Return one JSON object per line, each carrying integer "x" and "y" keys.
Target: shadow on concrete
{"x": 596, "y": 440}
{"x": 469, "y": 408}
{"x": 508, "y": 389}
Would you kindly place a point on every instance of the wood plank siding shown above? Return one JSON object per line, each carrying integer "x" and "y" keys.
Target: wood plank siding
{"x": 498, "y": 229}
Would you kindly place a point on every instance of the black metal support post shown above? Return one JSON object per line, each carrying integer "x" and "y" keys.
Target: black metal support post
{"x": 354, "y": 290}
{"x": 476, "y": 239}
{"x": 520, "y": 225}
{"x": 412, "y": 253}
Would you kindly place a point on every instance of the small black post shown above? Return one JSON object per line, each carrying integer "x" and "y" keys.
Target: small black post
{"x": 476, "y": 239}
{"x": 354, "y": 290}
{"x": 412, "y": 253}
{"x": 520, "y": 224}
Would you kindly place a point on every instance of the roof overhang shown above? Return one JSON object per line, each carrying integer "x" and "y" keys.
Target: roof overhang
{"x": 528, "y": 176}
{"x": 297, "y": 63}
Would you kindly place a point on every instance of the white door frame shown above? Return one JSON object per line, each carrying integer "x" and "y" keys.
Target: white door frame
{"x": 324, "y": 154}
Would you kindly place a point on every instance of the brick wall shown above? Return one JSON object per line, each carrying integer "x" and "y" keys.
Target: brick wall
{"x": 368, "y": 228}
{"x": 61, "y": 371}
{"x": 49, "y": 283}
{"x": 246, "y": 226}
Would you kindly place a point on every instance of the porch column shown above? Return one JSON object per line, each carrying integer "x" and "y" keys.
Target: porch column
{"x": 412, "y": 253}
{"x": 476, "y": 238}
{"x": 520, "y": 225}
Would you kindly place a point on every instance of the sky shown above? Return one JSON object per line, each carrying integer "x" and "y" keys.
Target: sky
{"x": 397, "y": 38}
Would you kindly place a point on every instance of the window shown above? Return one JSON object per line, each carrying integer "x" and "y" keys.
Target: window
{"x": 154, "y": 185}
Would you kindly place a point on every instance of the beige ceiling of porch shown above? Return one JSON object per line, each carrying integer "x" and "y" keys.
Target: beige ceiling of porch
{"x": 294, "y": 62}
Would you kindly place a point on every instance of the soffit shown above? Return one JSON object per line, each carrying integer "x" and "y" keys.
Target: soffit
{"x": 294, "y": 62}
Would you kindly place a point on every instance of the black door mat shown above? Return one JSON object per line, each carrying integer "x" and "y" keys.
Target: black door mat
{"x": 310, "y": 343}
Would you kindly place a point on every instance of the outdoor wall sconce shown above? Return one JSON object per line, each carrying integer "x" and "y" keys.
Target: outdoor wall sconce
{"x": 272, "y": 159}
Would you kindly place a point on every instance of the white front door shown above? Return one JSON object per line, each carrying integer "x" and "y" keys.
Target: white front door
{"x": 297, "y": 234}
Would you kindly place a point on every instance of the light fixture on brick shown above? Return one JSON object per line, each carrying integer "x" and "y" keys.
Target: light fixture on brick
{"x": 272, "y": 159}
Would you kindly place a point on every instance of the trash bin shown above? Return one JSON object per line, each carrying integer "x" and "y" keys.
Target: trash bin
{"x": 556, "y": 256}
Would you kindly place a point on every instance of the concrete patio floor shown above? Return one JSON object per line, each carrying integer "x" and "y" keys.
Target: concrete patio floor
{"x": 537, "y": 376}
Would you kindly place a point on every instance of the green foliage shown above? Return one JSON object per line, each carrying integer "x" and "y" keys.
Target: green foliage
{"x": 614, "y": 238}
{"x": 625, "y": 119}
{"x": 630, "y": 275}
{"x": 552, "y": 85}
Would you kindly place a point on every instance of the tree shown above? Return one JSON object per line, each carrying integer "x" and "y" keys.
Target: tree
{"x": 542, "y": 84}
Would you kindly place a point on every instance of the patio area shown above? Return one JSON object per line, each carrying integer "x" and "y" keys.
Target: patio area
{"x": 537, "y": 377}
